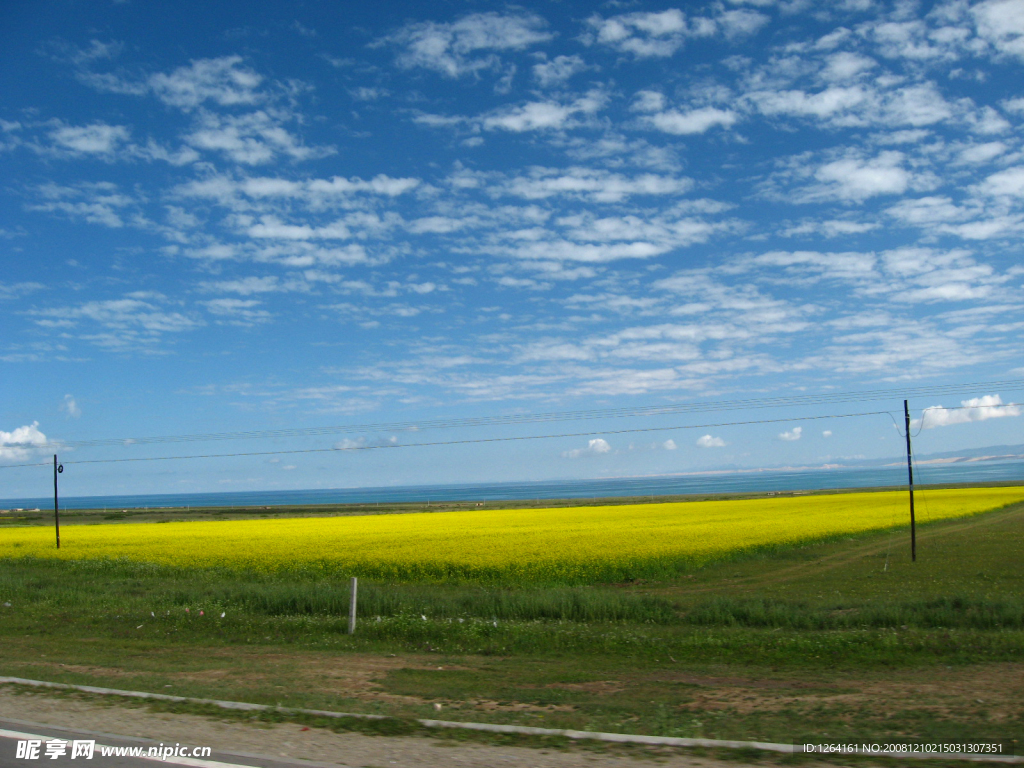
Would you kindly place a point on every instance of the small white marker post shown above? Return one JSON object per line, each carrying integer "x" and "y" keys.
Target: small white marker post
{"x": 352, "y": 608}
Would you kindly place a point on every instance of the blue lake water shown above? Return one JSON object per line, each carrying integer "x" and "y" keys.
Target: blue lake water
{"x": 724, "y": 482}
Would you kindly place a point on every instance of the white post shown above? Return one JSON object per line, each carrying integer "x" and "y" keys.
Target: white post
{"x": 352, "y": 608}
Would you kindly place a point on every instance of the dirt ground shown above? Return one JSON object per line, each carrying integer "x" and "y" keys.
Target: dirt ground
{"x": 345, "y": 750}
{"x": 997, "y": 688}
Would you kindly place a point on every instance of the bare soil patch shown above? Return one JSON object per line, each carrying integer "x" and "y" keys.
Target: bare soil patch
{"x": 345, "y": 750}
{"x": 947, "y": 692}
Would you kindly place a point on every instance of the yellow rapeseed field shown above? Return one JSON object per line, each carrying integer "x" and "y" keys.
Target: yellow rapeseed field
{"x": 574, "y": 544}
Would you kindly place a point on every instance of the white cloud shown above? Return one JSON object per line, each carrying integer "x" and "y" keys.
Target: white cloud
{"x": 974, "y": 409}
{"x": 248, "y": 286}
{"x": 707, "y": 441}
{"x": 130, "y": 311}
{"x": 97, "y": 50}
{"x": 846, "y": 65}
{"x": 522, "y": 282}
{"x": 537, "y": 115}
{"x": 543, "y": 115}
{"x": 855, "y": 179}
{"x": 350, "y": 444}
{"x": 109, "y": 142}
{"x": 94, "y": 139}
{"x": 134, "y": 322}
{"x": 870, "y": 103}
{"x": 829, "y": 228}
{"x": 987, "y": 121}
{"x": 22, "y": 442}
{"x": 366, "y": 93}
{"x": 359, "y": 443}
{"x": 10, "y": 291}
{"x": 647, "y": 35}
{"x": 695, "y": 121}
{"x": 97, "y": 203}
{"x": 933, "y": 275}
{"x": 791, "y": 435}
{"x": 669, "y": 445}
{"x": 283, "y": 249}
{"x": 272, "y": 227}
{"x": 237, "y": 311}
{"x": 827, "y": 433}
{"x": 912, "y": 275}
{"x": 909, "y": 39}
{"x": 1001, "y": 23}
{"x": 997, "y": 226}
{"x": 982, "y": 153}
{"x": 466, "y": 46}
{"x": 558, "y": 70}
{"x": 154, "y": 151}
{"x": 916, "y": 106}
{"x": 557, "y": 249}
{"x": 318, "y": 194}
{"x": 644, "y": 35}
{"x": 595, "y": 447}
{"x": 439, "y": 224}
{"x": 740, "y": 23}
{"x": 222, "y": 81}
{"x": 595, "y": 184}
{"x": 251, "y": 139}
{"x": 850, "y": 266}
{"x": 823, "y": 104}
{"x": 381, "y": 184}
{"x": 70, "y": 407}
{"x": 648, "y": 101}
{"x": 925, "y": 211}
{"x": 1008, "y": 183}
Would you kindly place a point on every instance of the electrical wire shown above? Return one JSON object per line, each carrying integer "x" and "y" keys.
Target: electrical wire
{"x": 834, "y": 398}
{"x": 490, "y": 440}
{"x": 455, "y": 442}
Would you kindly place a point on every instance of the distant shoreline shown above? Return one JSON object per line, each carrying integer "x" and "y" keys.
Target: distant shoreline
{"x": 995, "y": 464}
{"x": 679, "y": 486}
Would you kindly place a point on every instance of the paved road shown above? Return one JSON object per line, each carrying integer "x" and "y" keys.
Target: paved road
{"x": 43, "y": 736}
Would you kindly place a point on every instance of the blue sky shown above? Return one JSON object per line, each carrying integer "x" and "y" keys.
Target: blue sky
{"x": 231, "y": 217}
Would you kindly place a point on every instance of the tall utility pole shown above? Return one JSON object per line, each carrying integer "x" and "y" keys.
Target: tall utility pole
{"x": 910, "y": 475}
{"x": 56, "y": 509}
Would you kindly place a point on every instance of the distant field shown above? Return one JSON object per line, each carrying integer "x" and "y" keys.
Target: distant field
{"x": 568, "y": 545}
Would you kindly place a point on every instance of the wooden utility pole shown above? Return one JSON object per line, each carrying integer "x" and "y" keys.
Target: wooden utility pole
{"x": 56, "y": 508}
{"x": 910, "y": 475}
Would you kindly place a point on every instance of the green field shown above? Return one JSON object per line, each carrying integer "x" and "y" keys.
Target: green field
{"x": 843, "y": 636}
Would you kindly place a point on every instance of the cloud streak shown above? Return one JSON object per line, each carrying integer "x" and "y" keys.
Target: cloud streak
{"x": 707, "y": 441}
{"x": 596, "y": 447}
{"x": 22, "y": 443}
{"x": 974, "y": 409}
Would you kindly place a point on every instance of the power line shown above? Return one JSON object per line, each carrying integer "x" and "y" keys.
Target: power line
{"x": 508, "y": 439}
{"x": 834, "y": 398}
{"x": 456, "y": 442}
